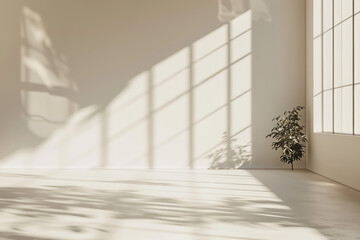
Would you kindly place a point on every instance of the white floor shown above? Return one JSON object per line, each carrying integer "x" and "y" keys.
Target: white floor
{"x": 171, "y": 205}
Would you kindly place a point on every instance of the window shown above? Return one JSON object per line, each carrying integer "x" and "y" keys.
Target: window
{"x": 336, "y": 63}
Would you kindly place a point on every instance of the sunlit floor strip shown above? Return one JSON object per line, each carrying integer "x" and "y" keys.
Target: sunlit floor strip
{"x": 169, "y": 204}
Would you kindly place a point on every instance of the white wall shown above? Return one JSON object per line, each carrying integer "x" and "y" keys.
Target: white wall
{"x": 125, "y": 84}
{"x": 334, "y": 156}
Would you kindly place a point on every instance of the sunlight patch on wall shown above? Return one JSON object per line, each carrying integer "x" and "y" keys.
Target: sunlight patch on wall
{"x": 210, "y": 116}
{"x": 225, "y": 98}
{"x": 125, "y": 139}
{"x": 170, "y": 111}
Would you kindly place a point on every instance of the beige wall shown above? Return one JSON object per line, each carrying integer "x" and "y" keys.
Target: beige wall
{"x": 129, "y": 84}
{"x": 332, "y": 155}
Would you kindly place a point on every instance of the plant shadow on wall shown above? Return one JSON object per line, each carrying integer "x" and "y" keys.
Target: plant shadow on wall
{"x": 230, "y": 155}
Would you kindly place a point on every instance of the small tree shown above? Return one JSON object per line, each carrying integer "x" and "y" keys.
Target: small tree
{"x": 289, "y": 136}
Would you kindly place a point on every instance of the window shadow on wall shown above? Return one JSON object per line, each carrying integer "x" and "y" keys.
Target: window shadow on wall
{"x": 171, "y": 115}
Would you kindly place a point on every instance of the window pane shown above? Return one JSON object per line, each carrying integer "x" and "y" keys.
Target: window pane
{"x": 317, "y": 78}
{"x": 347, "y": 110}
{"x": 357, "y": 6}
{"x": 317, "y": 111}
{"x": 343, "y": 110}
{"x": 337, "y": 56}
{"x": 327, "y": 14}
{"x": 357, "y": 70}
{"x": 337, "y": 110}
{"x": 357, "y": 47}
{"x": 327, "y": 61}
{"x": 317, "y": 17}
{"x": 337, "y": 11}
{"x": 328, "y": 111}
{"x": 347, "y": 8}
{"x": 347, "y": 53}
{"x": 317, "y": 66}
{"x": 357, "y": 108}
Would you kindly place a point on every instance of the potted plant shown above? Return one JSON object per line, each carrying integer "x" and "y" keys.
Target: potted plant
{"x": 289, "y": 136}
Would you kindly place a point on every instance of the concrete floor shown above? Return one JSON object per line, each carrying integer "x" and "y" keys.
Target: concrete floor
{"x": 171, "y": 205}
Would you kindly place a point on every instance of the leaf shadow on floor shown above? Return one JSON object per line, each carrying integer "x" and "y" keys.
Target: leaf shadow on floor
{"x": 77, "y": 211}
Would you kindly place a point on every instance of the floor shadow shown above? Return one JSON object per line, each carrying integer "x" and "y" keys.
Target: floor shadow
{"x": 75, "y": 210}
{"x": 318, "y": 205}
